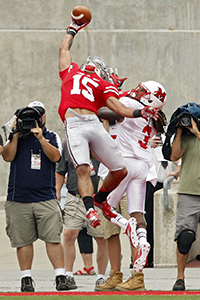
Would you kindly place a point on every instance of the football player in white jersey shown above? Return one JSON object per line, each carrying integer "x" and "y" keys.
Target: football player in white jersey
{"x": 133, "y": 140}
{"x": 84, "y": 90}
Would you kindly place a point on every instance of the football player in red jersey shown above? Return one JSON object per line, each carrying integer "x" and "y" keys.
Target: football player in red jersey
{"x": 84, "y": 90}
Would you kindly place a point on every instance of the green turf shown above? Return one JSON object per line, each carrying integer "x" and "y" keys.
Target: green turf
{"x": 100, "y": 297}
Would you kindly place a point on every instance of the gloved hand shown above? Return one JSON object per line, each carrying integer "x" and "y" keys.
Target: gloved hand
{"x": 73, "y": 28}
{"x": 149, "y": 112}
{"x": 146, "y": 112}
{"x": 114, "y": 78}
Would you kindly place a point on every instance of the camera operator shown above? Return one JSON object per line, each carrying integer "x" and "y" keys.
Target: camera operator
{"x": 187, "y": 147}
{"x": 32, "y": 209}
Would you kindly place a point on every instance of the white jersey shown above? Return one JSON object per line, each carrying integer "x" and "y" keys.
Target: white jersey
{"x": 134, "y": 134}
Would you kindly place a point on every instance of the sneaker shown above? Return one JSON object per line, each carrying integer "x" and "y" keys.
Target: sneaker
{"x": 108, "y": 211}
{"x": 93, "y": 217}
{"x": 111, "y": 282}
{"x": 179, "y": 285}
{"x": 131, "y": 232}
{"x": 141, "y": 257}
{"x": 27, "y": 284}
{"x": 71, "y": 283}
{"x": 61, "y": 283}
{"x": 99, "y": 282}
{"x": 134, "y": 283}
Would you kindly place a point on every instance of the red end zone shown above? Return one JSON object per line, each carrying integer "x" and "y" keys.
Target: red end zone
{"x": 136, "y": 293}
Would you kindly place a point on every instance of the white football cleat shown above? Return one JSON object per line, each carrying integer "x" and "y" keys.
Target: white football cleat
{"x": 131, "y": 232}
{"x": 93, "y": 218}
{"x": 141, "y": 257}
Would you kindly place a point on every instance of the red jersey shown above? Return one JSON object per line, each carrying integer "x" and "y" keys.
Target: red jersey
{"x": 82, "y": 90}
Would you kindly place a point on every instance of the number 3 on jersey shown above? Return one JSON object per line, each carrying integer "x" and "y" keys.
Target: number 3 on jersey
{"x": 147, "y": 129}
{"x": 80, "y": 80}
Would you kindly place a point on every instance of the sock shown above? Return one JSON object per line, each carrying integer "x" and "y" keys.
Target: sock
{"x": 59, "y": 271}
{"x": 25, "y": 273}
{"x": 100, "y": 276}
{"x": 120, "y": 221}
{"x": 68, "y": 273}
{"x": 88, "y": 202}
{"x": 101, "y": 195}
{"x": 142, "y": 234}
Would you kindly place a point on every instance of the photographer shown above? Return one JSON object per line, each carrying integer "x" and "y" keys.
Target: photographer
{"x": 186, "y": 145}
{"x": 32, "y": 210}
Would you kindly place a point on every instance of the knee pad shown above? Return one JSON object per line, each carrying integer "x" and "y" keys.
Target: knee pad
{"x": 185, "y": 240}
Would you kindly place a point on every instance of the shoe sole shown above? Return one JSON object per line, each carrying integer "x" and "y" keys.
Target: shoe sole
{"x": 140, "y": 262}
{"x": 104, "y": 290}
{"x": 123, "y": 289}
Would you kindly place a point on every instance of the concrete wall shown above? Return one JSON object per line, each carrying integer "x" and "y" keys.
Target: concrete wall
{"x": 157, "y": 39}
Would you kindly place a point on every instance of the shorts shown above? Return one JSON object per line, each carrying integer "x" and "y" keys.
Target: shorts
{"x": 75, "y": 215}
{"x": 107, "y": 229}
{"x": 87, "y": 133}
{"x": 188, "y": 213}
{"x": 27, "y": 222}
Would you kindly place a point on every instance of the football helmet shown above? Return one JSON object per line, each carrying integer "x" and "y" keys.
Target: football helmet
{"x": 150, "y": 93}
{"x": 95, "y": 64}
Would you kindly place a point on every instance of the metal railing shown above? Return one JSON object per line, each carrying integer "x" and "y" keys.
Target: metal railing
{"x": 166, "y": 187}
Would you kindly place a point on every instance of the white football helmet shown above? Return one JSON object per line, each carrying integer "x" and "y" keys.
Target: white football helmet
{"x": 95, "y": 64}
{"x": 150, "y": 93}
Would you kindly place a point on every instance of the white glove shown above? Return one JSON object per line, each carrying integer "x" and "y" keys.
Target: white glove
{"x": 149, "y": 112}
{"x": 73, "y": 28}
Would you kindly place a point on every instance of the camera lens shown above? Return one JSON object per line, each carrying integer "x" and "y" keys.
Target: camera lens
{"x": 185, "y": 121}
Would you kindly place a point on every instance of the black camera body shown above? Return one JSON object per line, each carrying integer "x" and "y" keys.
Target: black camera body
{"x": 26, "y": 124}
{"x": 26, "y": 119}
{"x": 185, "y": 121}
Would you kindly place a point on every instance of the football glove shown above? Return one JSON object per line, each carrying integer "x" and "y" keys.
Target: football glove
{"x": 149, "y": 112}
{"x": 114, "y": 78}
{"x": 74, "y": 28}
{"x": 146, "y": 112}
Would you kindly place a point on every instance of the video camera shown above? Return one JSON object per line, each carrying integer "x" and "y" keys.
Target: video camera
{"x": 185, "y": 121}
{"x": 26, "y": 119}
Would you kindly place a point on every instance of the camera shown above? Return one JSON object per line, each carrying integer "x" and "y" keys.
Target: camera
{"x": 185, "y": 121}
{"x": 26, "y": 119}
{"x": 26, "y": 124}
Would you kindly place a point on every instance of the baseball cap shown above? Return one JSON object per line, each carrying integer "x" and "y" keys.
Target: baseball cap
{"x": 38, "y": 105}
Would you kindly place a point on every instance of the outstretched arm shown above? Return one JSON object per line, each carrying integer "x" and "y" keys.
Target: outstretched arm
{"x": 120, "y": 109}
{"x": 108, "y": 114}
{"x": 65, "y": 59}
